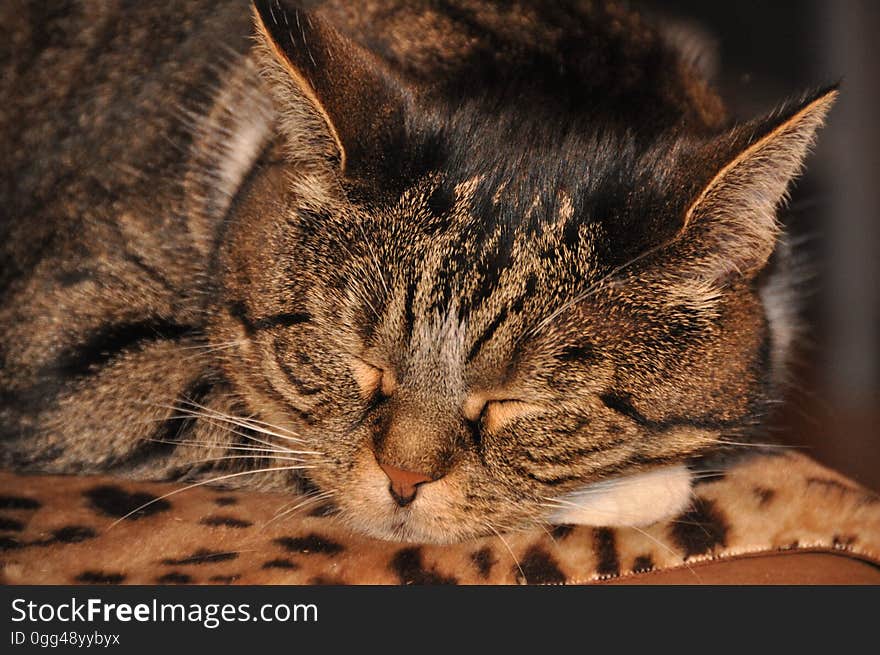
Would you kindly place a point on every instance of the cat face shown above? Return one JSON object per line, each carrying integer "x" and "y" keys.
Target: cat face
{"x": 496, "y": 355}
{"x": 467, "y": 347}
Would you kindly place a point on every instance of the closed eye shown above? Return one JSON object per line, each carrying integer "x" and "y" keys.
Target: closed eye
{"x": 494, "y": 414}
{"x": 372, "y": 380}
{"x": 499, "y": 413}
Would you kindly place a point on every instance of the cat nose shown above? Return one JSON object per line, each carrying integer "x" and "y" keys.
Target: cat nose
{"x": 404, "y": 484}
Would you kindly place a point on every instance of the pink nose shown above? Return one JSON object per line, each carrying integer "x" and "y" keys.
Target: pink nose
{"x": 404, "y": 484}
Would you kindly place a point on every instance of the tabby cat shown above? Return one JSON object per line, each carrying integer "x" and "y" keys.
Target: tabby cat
{"x": 449, "y": 267}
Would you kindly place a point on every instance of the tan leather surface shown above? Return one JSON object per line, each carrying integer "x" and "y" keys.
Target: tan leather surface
{"x": 791, "y": 568}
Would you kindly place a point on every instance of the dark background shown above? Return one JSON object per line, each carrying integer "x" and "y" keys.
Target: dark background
{"x": 766, "y": 52}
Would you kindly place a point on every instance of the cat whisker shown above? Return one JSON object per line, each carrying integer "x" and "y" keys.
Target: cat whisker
{"x": 509, "y": 550}
{"x": 552, "y": 503}
{"x": 564, "y": 504}
{"x": 210, "y": 444}
{"x": 313, "y": 494}
{"x": 220, "y": 478}
{"x": 748, "y": 444}
{"x": 601, "y": 486}
{"x": 249, "y": 423}
{"x": 309, "y": 500}
{"x": 213, "y": 420}
{"x": 204, "y": 346}
{"x": 706, "y": 476}
{"x": 361, "y": 294}
{"x": 543, "y": 525}
{"x": 201, "y": 351}
{"x": 375, "y": 258}
{"x": 669, "y": 550}
{"x": 249, "y": 457}
{"x": 224, "y": 424}
{"x": 556, "y": 506}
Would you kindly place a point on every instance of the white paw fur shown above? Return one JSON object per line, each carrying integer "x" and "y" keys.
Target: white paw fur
{"x": 633, "y": 500}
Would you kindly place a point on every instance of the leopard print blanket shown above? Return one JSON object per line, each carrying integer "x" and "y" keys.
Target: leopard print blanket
{"x": 62, "y": 530}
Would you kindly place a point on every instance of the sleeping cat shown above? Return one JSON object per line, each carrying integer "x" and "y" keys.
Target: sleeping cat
{"x": 448, "y": 267}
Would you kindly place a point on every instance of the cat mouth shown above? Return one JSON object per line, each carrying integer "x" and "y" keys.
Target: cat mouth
{"x": 369, "y": 504}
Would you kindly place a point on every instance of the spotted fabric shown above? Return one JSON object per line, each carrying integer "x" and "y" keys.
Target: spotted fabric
{"x": 97, "y": 530}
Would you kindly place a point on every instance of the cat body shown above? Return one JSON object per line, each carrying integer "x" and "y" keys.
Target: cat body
{"x": 454, "y": 267}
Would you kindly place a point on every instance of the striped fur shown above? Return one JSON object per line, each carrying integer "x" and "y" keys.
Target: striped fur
{"x": 516, "y": 251}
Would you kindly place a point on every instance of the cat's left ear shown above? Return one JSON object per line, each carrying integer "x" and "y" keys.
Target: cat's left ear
{"x": 730, "y": 226}
{"x": 335, "y": 100}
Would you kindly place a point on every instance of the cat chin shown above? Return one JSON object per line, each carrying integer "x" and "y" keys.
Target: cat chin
{"x": 633, "y": 500}
{"x": 411, "y": 529}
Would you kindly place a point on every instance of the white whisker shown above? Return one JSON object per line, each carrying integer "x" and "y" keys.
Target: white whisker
{"x": 669, "y": 550}
{"x": 564, "y": 503}
{"x": 212, "y": 416}
{"x": 375, "y": 258}
{"x": 204, "y": 482}
{"x": 206, "y": 350}
{"x": 202, "y": 346}
{"x": 211, "y": 444}
{"x": 309, "y": 500}
{"x": 211, "y": 420}
{"x": 250, "y": 457}
{"x": 509, "y": 550}
{"x": 757, "y": 445}
{"x": 543, "y": 526}
{"x": 251, "y": 424}
{"x": 219, "y": 423}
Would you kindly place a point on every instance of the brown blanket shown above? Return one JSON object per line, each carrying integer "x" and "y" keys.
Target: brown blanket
{"x": 64, "y": 530}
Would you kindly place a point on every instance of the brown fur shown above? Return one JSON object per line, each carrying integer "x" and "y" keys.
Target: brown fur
{"x": 514, "y": 248}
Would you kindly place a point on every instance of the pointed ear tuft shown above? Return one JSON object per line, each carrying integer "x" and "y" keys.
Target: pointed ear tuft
{"x": 731, "y": 227}
{"x": 334, "y": 98}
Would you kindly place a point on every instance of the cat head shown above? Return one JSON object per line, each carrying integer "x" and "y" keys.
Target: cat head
{"x": 476, "y": 306}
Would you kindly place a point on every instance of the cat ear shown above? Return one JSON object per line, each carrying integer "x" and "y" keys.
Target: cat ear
{"x": 730, "y": 226}
{"x": 333, "y": 98}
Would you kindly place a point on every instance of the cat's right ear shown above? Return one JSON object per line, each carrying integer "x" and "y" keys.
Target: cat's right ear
{"x": 333, "y": 97}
